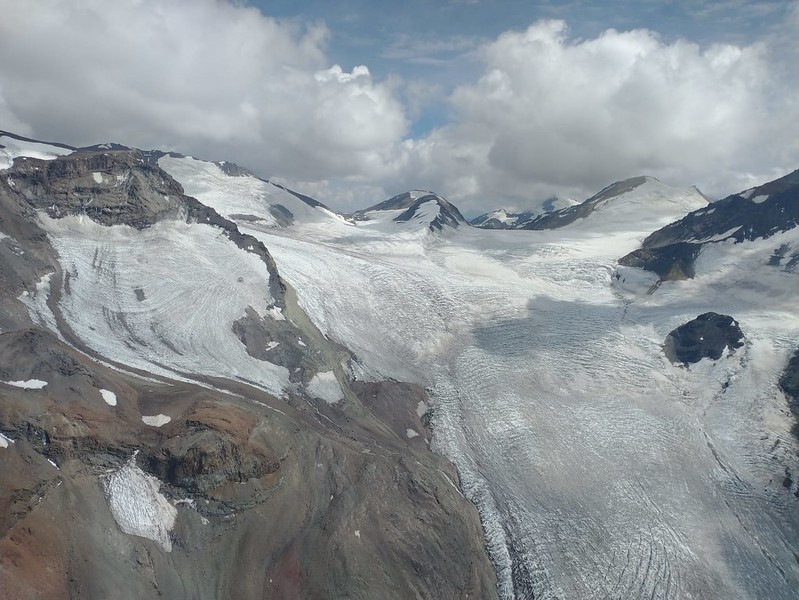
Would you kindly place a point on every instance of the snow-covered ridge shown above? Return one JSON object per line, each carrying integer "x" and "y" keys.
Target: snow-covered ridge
{"x": 242, "y": 197}
{"x": 640, "y": 204}
{"x": 503, "y": 219}
{"x": 14, "y": 146}
{"x": 760, "y": 212}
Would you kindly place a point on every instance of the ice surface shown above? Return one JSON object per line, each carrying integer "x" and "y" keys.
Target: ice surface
{"x": 109, "y": 397}
{"x": 36, "y": 303}
{"x": 30, "y": 384}
{"x": 600, "y": 469}
{"x": 137, "y": 505}
{"x": 196, "y": 283}
{"x": 156, "y": 420}
{"x": 326, "y": 387}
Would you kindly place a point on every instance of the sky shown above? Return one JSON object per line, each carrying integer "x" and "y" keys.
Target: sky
{"x": 490, "y": 103}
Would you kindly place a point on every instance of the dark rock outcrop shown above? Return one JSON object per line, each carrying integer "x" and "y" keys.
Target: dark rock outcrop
{"x": 706, "y": 336}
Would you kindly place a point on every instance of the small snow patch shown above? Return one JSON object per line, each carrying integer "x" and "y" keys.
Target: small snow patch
{"x": 30, "y": 384}
{"x": 109, "y": 397}
{"x": 272, "y": 346}
{"x": 358, "y": 533}
{"x": 411, "y": 433}
{"x": 137, "y": 505}
{"x": 325, "y": 386}
{"x": 759, "y": 199}
{"x": 98, "y": 177}
{"x": 300, "y": 342}
{"x": 276, "y": 313}
{"x": 4, "y": 441}
{"x": 421, "y": 408}
{"x": 53, "y": 463}
{"x": 156, "y": 420}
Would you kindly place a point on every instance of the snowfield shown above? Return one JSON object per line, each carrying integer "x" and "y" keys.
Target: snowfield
{"x": 238, "y": 198}
{"x": 600, "y": 469}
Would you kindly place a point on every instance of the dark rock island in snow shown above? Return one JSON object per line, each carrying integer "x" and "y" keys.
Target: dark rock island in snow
{"x": 706, "y": 336}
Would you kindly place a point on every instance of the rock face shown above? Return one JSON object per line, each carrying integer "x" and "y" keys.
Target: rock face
{"x": 759, "y": 212}
{"x": 706, "y": 336}
{"x": 232, "y": 492}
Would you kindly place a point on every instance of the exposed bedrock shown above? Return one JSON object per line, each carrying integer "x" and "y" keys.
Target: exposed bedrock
{"x": 706, "y": 336}
{"x": 270, "y": 500}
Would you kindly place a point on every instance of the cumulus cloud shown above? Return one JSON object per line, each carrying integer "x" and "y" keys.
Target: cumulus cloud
{"x": 550, "y": 115}
{"x": 204, "y": 76}
{"x": 545, "y": 114}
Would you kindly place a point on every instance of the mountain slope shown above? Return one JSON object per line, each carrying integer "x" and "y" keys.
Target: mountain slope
{"x": 164, "y": 399}
{"x": 643, "y": 203}
{"x": 240, "y": 196}
{"x": 757, "y": 213}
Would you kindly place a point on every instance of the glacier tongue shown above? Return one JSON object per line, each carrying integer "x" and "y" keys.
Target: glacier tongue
{"x": 600, "y": 469}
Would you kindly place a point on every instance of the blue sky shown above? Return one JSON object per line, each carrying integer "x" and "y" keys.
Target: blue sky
{"x": 490, "y": 103}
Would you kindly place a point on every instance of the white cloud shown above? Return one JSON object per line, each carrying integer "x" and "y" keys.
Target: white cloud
{"x": 202, "y": 76}
{"x": 547, "y": 115}
{"x": 553, "y": 115}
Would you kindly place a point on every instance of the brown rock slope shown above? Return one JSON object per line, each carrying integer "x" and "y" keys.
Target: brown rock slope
{"x": 273, "y": 498}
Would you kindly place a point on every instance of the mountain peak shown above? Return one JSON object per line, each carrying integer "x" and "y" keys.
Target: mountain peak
{"x": 415, "y": 206}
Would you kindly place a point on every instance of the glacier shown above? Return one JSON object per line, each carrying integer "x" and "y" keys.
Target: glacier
{"x": 600, "y": 468}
